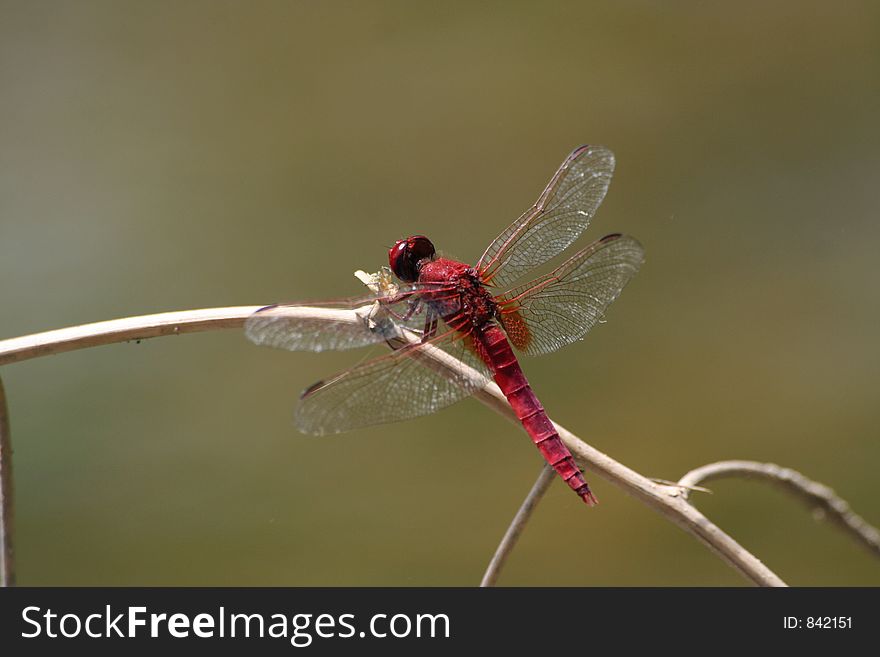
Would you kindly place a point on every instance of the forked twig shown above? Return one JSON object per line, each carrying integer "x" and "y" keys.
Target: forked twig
{"x": 518, "y": 524}
{"x": 666, "y": 500}
{"x": 819, "y": 497}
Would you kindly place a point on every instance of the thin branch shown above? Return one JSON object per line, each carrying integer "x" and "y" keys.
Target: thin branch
{"x": 666, "y": 500}
{"x": 7, "y": 565}
{"x": 122, "y": 330}
{"x": 518, "y": 524}
{"x": 819, "y": 497}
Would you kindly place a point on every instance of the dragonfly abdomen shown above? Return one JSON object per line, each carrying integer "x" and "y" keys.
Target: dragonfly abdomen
{"x": 513, "y": 383}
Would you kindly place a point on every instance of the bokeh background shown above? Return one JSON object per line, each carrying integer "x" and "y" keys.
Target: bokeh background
{"x": 159, "y": 156}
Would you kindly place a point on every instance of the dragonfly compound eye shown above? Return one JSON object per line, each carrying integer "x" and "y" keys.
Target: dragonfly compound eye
{"x": 406, "y": 255}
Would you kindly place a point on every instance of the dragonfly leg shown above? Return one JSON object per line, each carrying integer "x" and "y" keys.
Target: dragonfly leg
{"x": 430, "y": 329}
{"x": 378, "y": 317}
{"x": 425, "y": 334}
{"x": 413, "y": 308}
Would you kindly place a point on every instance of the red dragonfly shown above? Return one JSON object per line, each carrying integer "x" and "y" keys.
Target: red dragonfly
{"x": 449, "y": 306}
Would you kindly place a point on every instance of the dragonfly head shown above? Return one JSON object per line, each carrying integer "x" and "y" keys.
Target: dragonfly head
{"x": 407, "y": 256}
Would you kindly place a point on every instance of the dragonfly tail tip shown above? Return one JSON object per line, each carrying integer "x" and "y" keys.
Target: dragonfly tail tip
{"x": 589, "y": 498}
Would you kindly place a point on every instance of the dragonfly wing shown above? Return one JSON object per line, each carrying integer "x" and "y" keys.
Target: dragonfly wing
{"x": 397, "y": 386}
{"x": 337, "y": 324}
{"x": 557, "y": 219}
{"x": 561, "y": 307}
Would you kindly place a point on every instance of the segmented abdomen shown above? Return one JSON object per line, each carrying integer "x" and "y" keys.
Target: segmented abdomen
{"x": 510, "y": 378}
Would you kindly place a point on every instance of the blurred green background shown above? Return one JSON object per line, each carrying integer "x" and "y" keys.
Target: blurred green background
{"x": 159, "y": 156}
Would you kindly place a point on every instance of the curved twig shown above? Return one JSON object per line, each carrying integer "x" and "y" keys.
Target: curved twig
{"x": 666, "y": 500}
{"x": 518, "y": 524}
{"x": 7, "y": 569}
{"x": 122, "y": 330}
{"x": 819, "y": 497}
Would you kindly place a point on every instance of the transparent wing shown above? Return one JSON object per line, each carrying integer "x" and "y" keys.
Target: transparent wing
{"x": 335, "y": 324}
{"x": 400, "y": 385}
{"x": 559, "y": 308}
{"x": 557, "y": 219}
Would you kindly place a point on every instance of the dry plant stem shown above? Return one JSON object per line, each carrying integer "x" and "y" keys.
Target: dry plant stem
{"x": 7, "y": 570}
{"x": 666, "y": 500}
{"x": 817, "y": 496}
{"x": 517, "y": 525}
{"x": 122, "y": 330}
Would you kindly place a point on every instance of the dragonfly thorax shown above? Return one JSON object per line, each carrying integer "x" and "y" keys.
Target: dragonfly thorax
{"x": 460, "y": 293}
{"x": 477, "y": 303}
